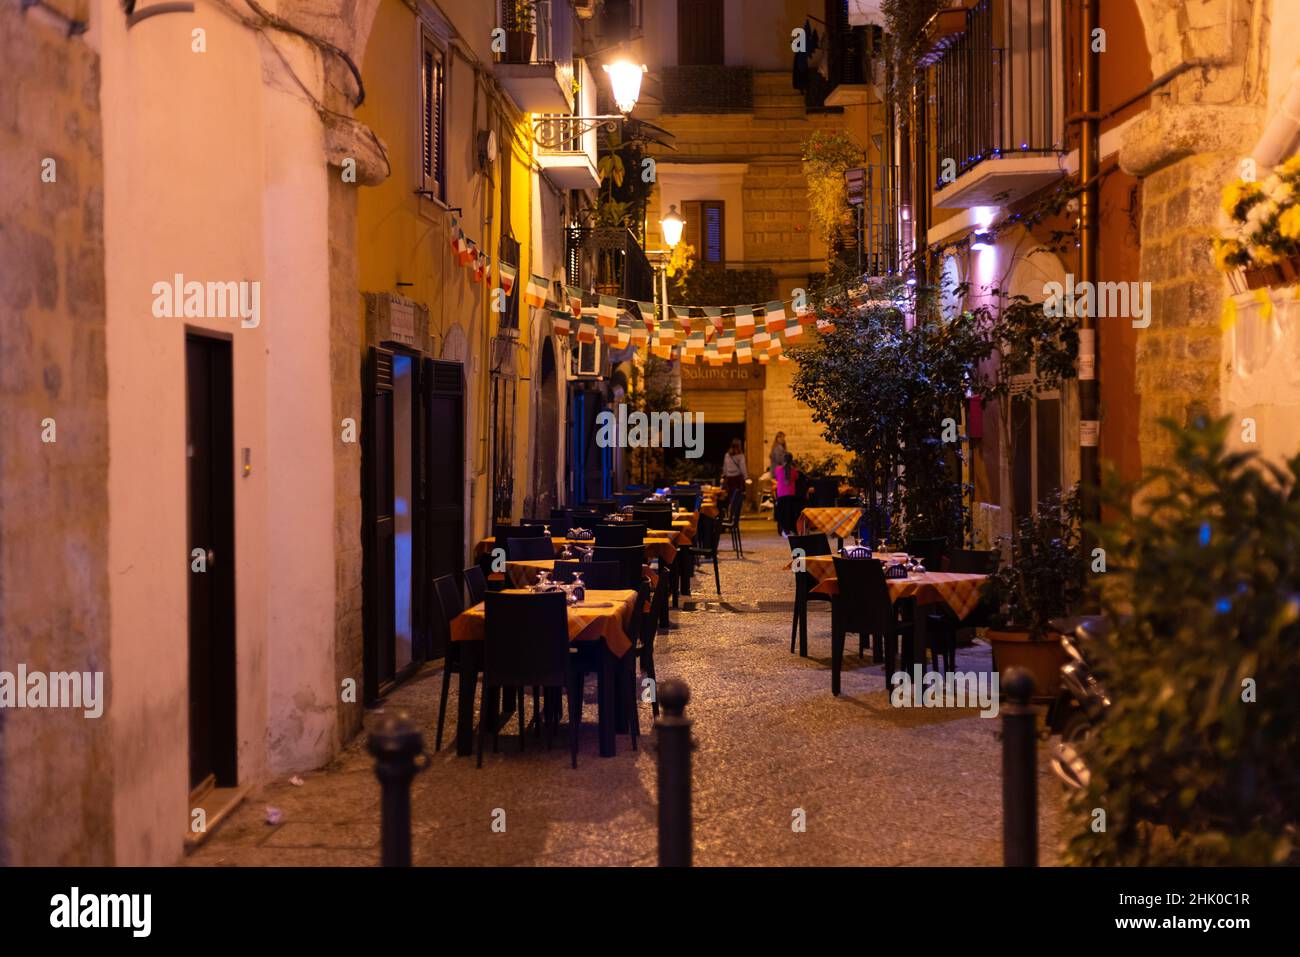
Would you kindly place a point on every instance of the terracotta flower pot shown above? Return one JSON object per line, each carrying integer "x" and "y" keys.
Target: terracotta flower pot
{"x": 1042, "y": 658}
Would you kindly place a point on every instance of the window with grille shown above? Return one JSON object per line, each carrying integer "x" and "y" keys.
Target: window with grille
{"x": 433, "y": 102}
{"x": 705, "y": 229}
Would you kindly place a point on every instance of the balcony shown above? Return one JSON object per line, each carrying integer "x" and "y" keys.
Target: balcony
{"x": 610, "y": 260}
{"x": 856, "y": 66}
{"x": 538, "y": 78}
{"x": 567, "y": 147}
{"x": 872, "y": 246}
{"x": 996, "y": 87}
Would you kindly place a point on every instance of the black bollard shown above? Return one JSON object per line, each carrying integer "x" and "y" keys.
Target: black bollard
{"x": 1019, "y": 770}
{"x": 396, "y": 744}
{"x": 673, "y": 745}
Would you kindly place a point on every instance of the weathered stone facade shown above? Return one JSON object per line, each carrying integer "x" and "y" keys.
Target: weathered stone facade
{"x": 55, "y": 764}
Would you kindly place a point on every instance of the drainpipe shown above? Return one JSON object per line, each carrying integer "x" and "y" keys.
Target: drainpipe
{"x": 1089, "y": 148}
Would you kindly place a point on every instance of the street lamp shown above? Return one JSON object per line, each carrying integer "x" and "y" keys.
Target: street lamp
{"x": 560, "y": 131}
{"x": 671, "y": 227}
{"x": 625, "y": 79}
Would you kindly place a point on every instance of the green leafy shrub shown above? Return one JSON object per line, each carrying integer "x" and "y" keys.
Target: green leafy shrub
{"x": 1044, "y": 579}
{"x": 1198, "y": 759}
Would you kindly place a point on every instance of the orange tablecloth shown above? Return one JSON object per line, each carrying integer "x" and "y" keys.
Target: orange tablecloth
{"x": 957, "y": 590}
{"x": 662, "y": 545}
{"x": 525, "y": 573}
{"x": 822, "y": 567}
{"x": 585, "y": 623}
{"x": 837, "y": 521}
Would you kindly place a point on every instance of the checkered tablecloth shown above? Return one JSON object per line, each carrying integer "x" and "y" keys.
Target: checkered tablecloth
{"x": 957, "y": 590}
{"x": 605, "y": 614}
{"x": 837, "y": 521}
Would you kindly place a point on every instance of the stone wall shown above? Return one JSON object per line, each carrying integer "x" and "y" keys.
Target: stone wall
{"x": 55, "y": 765}
{"x": 782, "y": 412}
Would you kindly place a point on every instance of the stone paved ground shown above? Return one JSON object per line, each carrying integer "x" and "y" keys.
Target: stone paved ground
{"x": 878, "y": 785}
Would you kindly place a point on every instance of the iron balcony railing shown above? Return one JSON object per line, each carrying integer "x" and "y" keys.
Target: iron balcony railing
{"x": 873, "y": 246}
{"x": 996, "y": 89}
{"x": 610, "y": 260}
{"x": 552, "y": 25}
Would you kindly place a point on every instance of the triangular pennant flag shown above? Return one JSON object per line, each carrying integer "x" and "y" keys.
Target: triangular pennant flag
{"x": 586, "y": 330}
{"x": 761, "y": 338}
{"x": 695, "y": 342}
{"x": 713, "y": 315}
{"x": 508, "y": 274}
{"x": 775, "y": 315}
{"x": 562, "y": 322}
{"x": 744, "y": 350}
{"x": 794, "y": 330}
{"x": 774, "y": 348}
{"x": 668, "y": 331}
{"x": 607, "y": 311}
{"x": 574, "y": 295}
{"x": 647, "y": 310}
{"x": 727, "y": 341}
{"x": 640, "y": 334}
{"x": 744, "y": 321}
{"x": 453, "y": 235}
{"x": 535, "y": 294}
{"x": 662, "y": 351}
{"x": 610, "y": 332}
{"x": 682, "y": 315}
{"x": 465, "y": 251}
{"x": 480, "y": 266}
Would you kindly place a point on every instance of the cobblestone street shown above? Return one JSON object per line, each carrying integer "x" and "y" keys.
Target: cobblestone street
{"x": 878, "y": 785}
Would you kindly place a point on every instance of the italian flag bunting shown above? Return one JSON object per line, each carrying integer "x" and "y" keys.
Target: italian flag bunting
{"x": 586, "y": 330}
{"x": 453, "y": 235}
{"x": 727, "y": 342}
{"x": 574, "y": 295}
{"x": 761, "y": 340}
{"x": 480, "y": 266}
{"x": 562, "y": 322}
{"x": 794, "y": 330}
{"x": 744, "y": 321}
{"x": 744, "y": 351}
{"x": 607, "y": 311}
{"x": 647, "y": 310}
{"x": 713, "y": 320}
{"x": 775, "y": 348}
{"x": 465, "y": 251}
{"x": 508, "y": 274}
{"x": 775, "y": 315}
{"x": 535, "y": 294}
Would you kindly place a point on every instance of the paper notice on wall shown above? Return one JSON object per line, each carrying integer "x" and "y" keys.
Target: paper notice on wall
{"x": 1089, "y": 433}
{"x": 401, "y": 321}
{"x": 1087, "y": 353}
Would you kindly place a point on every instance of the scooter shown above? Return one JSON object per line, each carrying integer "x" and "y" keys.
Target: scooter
{"x": 1082, "y": 701}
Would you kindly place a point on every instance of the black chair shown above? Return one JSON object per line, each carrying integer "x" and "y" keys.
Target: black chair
{"x": 630, "y": 561}
{"x": 814, "y": 544}
{"x": 653, "y": 517}
{"x": 586, "y": 518}
{"x": 944, "y": 625}
{"x": 707, "y": 536}
{"x": 824, "y": 492}
{"x": 449, "y": 602}
{"x": 863, "y": 606}
{"x": 731, "y": 522}
{"x": 929, "y": 550}
{"x": 602, "y": 505}
{"x": 688, "y": 501}
{"x": 600, "y": 575}
{"x": 527, "y": 645}
{"x": 559, "y": 527}
{"x": 624, "y": 499}
{"x": 528, "y": 549}
{"x": 503, "y": 532}
{"x": 620, "y": 535}
{"x": 475, "y": 584}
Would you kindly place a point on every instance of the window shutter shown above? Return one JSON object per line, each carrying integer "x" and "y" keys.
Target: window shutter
{"x": 714, "y": 248}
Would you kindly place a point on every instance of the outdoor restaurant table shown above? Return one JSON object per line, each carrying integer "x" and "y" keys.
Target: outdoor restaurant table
{"x": 836, "y": 521}
{"x": 958, "y": 590}
{"x": 662, "y": 545}
{"x": 522, "y": 574}
{"x": 607, "y": 615}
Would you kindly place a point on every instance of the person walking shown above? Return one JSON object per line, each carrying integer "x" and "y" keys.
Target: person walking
{"x": 734, "y": 471}
{"x": 778, "y": 453}
{"x": 787, "y": 490}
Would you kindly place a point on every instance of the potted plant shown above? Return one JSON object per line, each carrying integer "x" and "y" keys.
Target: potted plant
{"x": 1261, "y": 246}
{"x": 1043, "y": 580}
{"x": 519, "y": 32}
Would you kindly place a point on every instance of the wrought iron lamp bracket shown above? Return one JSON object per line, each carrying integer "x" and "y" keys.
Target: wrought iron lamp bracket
{"x": 551, "y": 131}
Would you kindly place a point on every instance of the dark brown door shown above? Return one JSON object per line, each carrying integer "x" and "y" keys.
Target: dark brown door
{"x": 699, "y": 32}
{"x": 442, "y": 508}
{"x": 210, "y": 457}
{"x": 379, "y": 615}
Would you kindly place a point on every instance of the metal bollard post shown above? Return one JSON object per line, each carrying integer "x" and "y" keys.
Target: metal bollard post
{"x": 673, "y": 746}
{"x": 396, "y": 744}
{"x": 1019, "y": 771}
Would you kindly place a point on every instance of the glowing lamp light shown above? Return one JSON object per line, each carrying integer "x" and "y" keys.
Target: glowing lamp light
{"x": 981, "y": 241}
{"x": 671, "y": 226}
{"x": 625, "y": 79}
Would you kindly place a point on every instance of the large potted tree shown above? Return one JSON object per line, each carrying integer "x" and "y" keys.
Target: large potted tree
{"x": 1043, "y": 580}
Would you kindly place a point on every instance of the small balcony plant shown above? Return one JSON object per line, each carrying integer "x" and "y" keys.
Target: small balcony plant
{"x": 1261, "y": 245}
